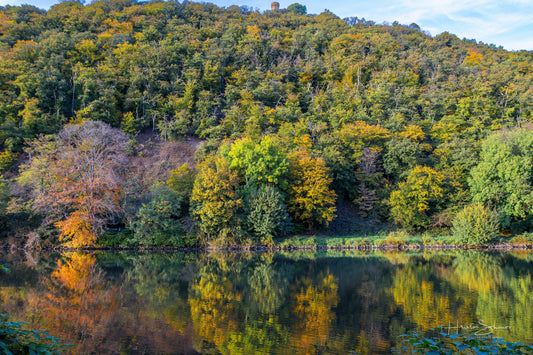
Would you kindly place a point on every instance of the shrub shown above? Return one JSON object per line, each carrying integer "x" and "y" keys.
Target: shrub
{"x": 16, "y": 340}
{"x": 525, "y": 238}
{"x": 475, "y": 225}
{"x": 159, "y": 222}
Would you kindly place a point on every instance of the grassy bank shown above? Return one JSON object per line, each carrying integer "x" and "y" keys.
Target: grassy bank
{"x": 393, "y": 240}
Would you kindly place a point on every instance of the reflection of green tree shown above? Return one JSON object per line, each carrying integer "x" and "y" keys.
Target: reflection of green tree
{"x": 505, "y": 292}
{"x": 267, "y": 288}
{"x": 428, "y": 301}
{"x": 477, "y": 271}
{"x": 161, "y": 279}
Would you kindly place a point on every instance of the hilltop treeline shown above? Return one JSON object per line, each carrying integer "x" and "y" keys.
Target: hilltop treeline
{"x": 299, "y": 122}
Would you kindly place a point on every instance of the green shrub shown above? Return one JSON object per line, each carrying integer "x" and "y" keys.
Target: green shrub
{"x": 159, "y": 222}
{"x": 475, "y": 225}
{"x": 122, "y": 238}
{"x": 362, "y": 242}
{"x": 525, "y": 238}
{"x": 379, "y": 242}
{"x": 14, "y": 339}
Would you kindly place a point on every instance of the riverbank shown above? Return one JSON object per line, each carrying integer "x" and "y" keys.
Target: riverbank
{"x": 322, "y": 243}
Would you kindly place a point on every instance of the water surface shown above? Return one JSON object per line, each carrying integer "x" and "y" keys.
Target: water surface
{"x": 265, "y": 303}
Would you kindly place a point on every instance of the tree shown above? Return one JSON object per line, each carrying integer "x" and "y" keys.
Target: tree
{"x": 4, "y": 195}
{"x": 76, "y": 180}
{"x": 310, "y": 199}
{"x": 181, "y": 182}
{"x": 502, "y": 180}
{"x": 415, "y": 198}
{"x": 267, "y": 215}
{"x": 158, "y": 222}
{"x": 214, "y": 200}
{"x": 297, "y": 8}
{"x": 261, "y": 163}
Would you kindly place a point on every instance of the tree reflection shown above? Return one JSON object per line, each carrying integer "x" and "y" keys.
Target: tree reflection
{"x": 427, "y": 300}
{"x": 214, "y": 306}
{"x": 76, "y": 305}
{"x": 314, "y": 303}
{"x": 242, "y": 303}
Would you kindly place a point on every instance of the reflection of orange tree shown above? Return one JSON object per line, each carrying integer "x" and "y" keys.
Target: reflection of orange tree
{"x": 428, "y": 303}
{"x": 77, "y": 306}
{"x": 213, "y": 303}
{"x": 314, "y": 312}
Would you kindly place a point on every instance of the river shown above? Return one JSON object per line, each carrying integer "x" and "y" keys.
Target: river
{"x": 305, "y": 302}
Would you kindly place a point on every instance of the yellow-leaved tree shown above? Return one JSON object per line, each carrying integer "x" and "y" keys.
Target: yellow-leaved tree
{"x": 214, "y": 200}
{"x": 413, "y": 199}
{"x": 310, "y": 200}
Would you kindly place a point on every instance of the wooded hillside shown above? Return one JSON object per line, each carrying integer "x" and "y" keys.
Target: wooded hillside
{"x": 304, "y": 122}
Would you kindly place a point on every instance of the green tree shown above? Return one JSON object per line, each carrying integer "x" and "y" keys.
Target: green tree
{"x": 267, "y": 215}
{"x": 158, "y": 222}
{"x": 502, "y": 180}
{"x": 297, "y": 8}
{"x": 262, "y": 163}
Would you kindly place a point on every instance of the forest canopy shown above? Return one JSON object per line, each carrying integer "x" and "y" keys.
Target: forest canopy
{"x": 233, "y": 126}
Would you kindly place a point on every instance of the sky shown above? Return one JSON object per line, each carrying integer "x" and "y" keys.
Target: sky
{"x": 506, "y": 23}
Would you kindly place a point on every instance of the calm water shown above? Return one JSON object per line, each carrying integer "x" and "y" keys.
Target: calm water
{"x": 279, "y": 303}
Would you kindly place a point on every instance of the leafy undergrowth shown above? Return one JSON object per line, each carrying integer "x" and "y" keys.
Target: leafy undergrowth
{"x": 393, "y": 239}
{"x": 16, "y": 339}
{"x": 522, "y": 239}
{"x": 444, "y": 344}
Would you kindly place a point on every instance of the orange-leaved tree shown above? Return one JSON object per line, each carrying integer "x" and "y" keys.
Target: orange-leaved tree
{"x": 76, "y": 181}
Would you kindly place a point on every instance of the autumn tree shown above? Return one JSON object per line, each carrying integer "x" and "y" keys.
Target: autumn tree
{"x": 415, "y": 198}
{"x": 310, "y": 200}
{"x": 214, "y": 200}
{"x": 76, "y": 180}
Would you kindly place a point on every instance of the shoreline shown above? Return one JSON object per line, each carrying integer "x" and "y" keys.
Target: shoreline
{"x": 259, "y": 248}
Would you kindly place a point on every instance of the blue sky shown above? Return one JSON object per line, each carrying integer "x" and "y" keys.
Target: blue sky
{"x": 508, "y": 23}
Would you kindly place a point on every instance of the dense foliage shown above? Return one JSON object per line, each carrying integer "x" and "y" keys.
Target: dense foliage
{"x": 342, "y": 118}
